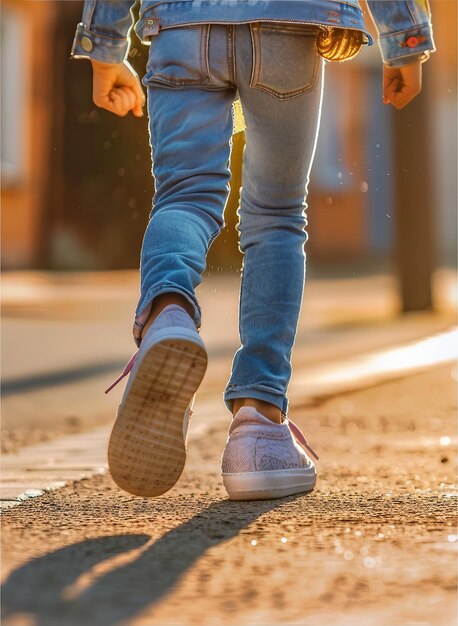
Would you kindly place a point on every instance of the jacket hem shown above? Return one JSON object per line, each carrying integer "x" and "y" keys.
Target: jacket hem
{"x": 322, "y": 13}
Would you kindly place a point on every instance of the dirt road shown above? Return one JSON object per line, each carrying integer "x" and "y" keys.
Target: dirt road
{"x": 374, "y": 544}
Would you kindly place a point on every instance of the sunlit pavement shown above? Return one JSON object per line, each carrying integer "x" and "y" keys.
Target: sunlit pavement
{"x": 33, "y": 470}
{"x": 374, "y": 544}
{"x": 66, "y": 336}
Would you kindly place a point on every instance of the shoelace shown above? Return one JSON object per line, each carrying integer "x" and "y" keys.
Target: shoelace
{"x": 298, "y": 434}
{"x": 125, "y": 371}
{"x": 300, "y": 438}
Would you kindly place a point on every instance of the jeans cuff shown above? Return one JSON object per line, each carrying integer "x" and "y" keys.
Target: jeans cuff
{"x": 252, "y": 391}
{"x": 144, "y": 308}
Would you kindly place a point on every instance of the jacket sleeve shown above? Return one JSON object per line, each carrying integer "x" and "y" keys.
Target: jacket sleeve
{"x": 103, "y": 33}
{"x": 404, "y": 28}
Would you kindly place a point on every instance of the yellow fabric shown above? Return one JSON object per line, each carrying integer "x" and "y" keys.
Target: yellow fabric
{"x": 237, "y": 116}
{"x": 339, "y": 44}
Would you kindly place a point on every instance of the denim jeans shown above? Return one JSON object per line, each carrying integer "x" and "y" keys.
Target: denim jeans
{"x": 193, "y": 75}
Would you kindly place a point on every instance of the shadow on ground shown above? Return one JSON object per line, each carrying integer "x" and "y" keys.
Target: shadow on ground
{"x": 107, "y": 580}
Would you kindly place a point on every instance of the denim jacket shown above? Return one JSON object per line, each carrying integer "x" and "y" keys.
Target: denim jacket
{"x": 404, "y": 26}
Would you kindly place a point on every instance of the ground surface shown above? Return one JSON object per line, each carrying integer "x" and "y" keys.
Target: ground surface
{"x": 66, "y": 336}
{"x": 374, "y": 544}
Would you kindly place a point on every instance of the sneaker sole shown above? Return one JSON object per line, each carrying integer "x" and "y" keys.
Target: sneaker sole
{"x": 147, "y": 448}
{"x": 270, "y": 484}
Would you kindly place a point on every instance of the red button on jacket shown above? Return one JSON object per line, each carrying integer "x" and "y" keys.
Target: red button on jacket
{"x": 412, "y": 42}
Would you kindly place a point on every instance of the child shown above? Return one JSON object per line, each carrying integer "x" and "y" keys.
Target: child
{"x": 203, "y": 53}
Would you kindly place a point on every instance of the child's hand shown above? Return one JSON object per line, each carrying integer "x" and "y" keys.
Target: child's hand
{"x": 117, "y": 88}
{"x": 401, "y": 84}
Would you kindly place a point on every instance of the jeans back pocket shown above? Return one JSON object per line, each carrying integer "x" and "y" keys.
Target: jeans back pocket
{"x": 179, "y": 57}
{"x": 285, "y": 59}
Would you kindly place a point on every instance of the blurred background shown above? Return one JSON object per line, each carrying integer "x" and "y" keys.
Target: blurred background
{"x": 77, "y": 190}
{"x": 77, "y": 180}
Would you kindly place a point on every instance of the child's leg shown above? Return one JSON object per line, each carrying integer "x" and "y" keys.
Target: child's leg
{"x": 281, "y": 136}
{"x": 190, "y": 138}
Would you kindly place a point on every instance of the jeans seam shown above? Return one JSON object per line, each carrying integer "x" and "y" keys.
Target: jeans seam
{"x": 278, "y": 399}
{"x": 241, "y": 295}
{"x": 254, "y": 55}
{"x": 284, "y": 28}
{"x": 207, "y": 55}
{"x": 201, "y": 51}
{"x": 153, "y": 291}
{"x": 228, "y": 52}
{"x": 291, "y": 94}
{"x": 179, "y": 81}
{"x": 234, "y": 59}
{"x": 259, "y": 386}
{"x": 212, "y": 238}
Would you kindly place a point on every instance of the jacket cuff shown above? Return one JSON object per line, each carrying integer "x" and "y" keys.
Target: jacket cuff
{"x": 90, "y": 45}
{"x": 404, "y": 46}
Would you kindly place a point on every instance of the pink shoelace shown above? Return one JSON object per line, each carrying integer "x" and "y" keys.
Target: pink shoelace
{"x": 298, "y": 434}
{"x": 300, "y": 438}
{"x": 125, "y": 371}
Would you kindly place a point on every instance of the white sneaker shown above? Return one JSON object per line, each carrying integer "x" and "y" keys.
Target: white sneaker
{"x": 147, "y": 449}
{"x": 263, "y": 460}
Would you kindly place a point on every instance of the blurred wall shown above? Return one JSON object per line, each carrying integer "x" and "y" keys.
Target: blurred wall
{"x": 442, "y": 87}
{"x": 26, "y": 103}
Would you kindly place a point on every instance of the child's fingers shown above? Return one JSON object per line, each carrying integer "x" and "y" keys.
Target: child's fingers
{"x": 116, "y": 103}
{"x": 399, "y": 94}
{"x": 117, "y": 88}
{"x": 128, "y": 97}
{"x": 134, "y": 83}
{"x": 139, "y": 97}
{"x": 120, "y": 100}
{"x": 403, "y": 96}
{"x": 401, "y": 84}
{"x": 123, "y": 99}
{"x": 138, "y": 91}
{"x": 391, "y": 87}
{"x": 111, "y": 101}
{"x": 138, "y": 110}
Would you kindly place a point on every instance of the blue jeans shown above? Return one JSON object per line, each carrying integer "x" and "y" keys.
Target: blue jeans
{"x": 193, "y": 75}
